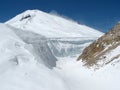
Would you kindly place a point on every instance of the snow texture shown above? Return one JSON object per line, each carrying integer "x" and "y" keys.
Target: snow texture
{"x": 50, "y": 25}
{"x": 25, "y": 55}
{"x": 20, "y": 69}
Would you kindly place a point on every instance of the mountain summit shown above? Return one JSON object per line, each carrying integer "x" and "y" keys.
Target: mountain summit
{"x": 50, "y": 25}
{"x": 105, "y": 50}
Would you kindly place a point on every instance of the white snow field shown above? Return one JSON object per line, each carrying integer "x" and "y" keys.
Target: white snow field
{"x": 28, "y": 44}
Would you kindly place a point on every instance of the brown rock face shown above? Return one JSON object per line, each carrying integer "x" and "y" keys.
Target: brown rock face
{"x": 97, "y": 50}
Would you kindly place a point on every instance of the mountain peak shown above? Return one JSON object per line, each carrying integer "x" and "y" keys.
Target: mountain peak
{"x": 114, "y": 32}
{"x": 116, "y": 28}
{"x": 29, "y": 14}
{"x": 50, "y": 25}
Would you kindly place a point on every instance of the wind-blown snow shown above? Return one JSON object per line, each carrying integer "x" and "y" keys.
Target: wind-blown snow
{"x": 50, "y": 25}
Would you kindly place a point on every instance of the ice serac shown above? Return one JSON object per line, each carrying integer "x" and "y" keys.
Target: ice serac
{"x": 103, "y": 51}
{"x": 50, "y": 25}
{"x": 38, "y": 45}
{"x": 21, "y": 42}
{"x": 64, "y": 37}
{"x": 68, "y": 47}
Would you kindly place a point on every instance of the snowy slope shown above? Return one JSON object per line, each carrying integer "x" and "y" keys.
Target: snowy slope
{"x": 10, "y": 44}
{"x": 50, "y": 25}
{"x": 37, "y": 45}
{"x": 19, "y": 67}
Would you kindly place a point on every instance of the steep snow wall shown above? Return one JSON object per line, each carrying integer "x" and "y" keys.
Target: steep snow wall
{"x": 19, "y": 68}
{"x": 38, "y": 46}
{"x": 65, "y": 47}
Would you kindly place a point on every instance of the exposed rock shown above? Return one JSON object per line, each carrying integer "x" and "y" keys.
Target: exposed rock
{"x": 96, "y": 51}
{"x": 25, "y": 17}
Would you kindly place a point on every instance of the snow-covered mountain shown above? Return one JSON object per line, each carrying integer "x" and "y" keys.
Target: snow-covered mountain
{"x": 50, "y": 25}
{"x": 64, "y": 37}
{"x": 28, "y": 44}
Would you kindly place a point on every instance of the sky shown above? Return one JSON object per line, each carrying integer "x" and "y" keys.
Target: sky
{"x": 98, "y": 14}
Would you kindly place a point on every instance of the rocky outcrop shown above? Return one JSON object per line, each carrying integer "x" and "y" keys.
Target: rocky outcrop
{"x": 97, "y": 51}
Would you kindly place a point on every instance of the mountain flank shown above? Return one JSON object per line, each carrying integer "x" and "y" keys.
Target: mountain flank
{"x": 98, "y": 53}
